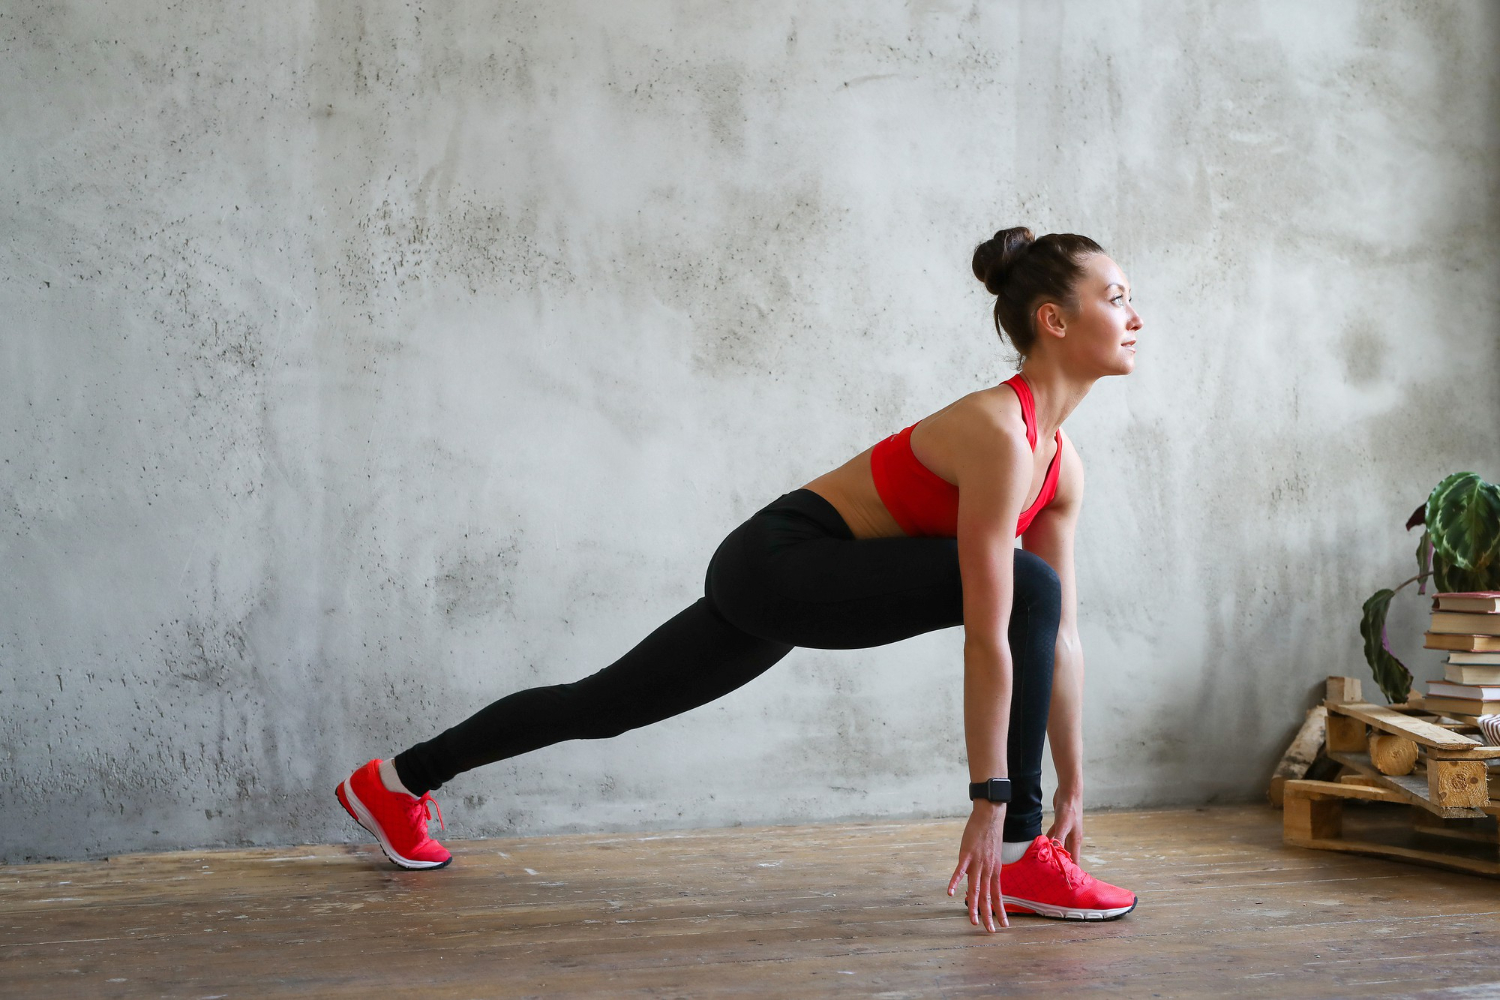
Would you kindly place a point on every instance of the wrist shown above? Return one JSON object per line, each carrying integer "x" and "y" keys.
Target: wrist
{"x": 1068, "y": 796}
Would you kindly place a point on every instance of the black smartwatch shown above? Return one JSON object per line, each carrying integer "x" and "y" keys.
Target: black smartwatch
{"x": 994, "y": 790}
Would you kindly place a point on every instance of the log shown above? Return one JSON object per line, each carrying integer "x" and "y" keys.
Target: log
{"x": 1299, "y": 757}
{"x": 1394, "y": 755}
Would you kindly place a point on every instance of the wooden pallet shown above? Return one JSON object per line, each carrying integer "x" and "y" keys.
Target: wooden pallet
{"x": 1314, "y": 818}
{"x": 1449, "y": 801}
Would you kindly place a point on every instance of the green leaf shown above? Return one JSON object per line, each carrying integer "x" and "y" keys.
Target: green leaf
{"x": 1447, "y": 578}
{"x": 1391, "y": 675}
{"x": 1463, "y": 518}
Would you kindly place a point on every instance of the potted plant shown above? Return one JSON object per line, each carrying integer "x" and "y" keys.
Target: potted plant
{"x": 1459, "y": 550}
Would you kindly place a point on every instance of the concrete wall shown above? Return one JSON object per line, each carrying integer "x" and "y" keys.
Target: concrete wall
{"x": 361, "y": 362}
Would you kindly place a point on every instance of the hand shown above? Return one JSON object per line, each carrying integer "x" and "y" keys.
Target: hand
{"x": 1067, "y": 821}
{"x": 979, "y": 859}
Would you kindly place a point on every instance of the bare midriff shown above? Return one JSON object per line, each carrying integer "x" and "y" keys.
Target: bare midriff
{"x": 850, "y": 488}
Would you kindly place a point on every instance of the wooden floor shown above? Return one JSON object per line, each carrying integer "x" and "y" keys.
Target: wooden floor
{"x": 850, "y": 910}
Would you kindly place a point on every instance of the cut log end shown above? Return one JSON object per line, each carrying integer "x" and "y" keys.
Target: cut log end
{"x": 1393, "y": 755}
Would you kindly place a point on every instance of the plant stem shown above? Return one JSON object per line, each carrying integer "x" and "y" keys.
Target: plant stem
{"x": 1419, "y": 576}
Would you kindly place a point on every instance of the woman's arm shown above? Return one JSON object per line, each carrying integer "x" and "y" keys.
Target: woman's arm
{"x": 994, "y": 474}
{"x": 1051, "y": 536}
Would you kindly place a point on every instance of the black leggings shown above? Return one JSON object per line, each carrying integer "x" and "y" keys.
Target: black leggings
{"x": 793, "y": 574}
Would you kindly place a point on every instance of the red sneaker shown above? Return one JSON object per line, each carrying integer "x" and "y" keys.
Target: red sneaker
{"x": 1046, "y": 882}
{"x": 398, "y": 821}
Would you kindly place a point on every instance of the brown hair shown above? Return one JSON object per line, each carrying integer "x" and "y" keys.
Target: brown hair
{"x": 1022, "y": 272}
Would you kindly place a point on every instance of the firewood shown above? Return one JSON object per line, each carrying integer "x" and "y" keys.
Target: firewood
{"x": 1394, "y": 755}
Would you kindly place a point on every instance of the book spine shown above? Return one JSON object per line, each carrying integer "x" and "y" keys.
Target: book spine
{"x": 1466, "y": 622}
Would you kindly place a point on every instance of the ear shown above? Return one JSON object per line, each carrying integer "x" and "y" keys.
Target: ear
{"x": 1050, "y": 320}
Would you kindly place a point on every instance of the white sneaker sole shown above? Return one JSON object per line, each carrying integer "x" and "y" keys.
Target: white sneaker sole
{"x": 1066, "y": 913}
{"x": 364, "y": 818}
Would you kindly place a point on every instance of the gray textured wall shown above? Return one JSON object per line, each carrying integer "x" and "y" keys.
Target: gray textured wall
{"x": 362, "y": 363}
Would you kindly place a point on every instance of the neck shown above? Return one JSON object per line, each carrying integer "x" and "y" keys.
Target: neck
{"x": 1055, "y": 392}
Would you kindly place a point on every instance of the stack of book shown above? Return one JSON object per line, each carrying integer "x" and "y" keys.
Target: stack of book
{"x": 1468, "y": 626}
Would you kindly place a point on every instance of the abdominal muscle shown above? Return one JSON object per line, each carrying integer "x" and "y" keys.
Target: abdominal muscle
{"x": 851, "y": 490}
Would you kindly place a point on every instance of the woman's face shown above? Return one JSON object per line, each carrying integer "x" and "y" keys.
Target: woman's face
{"x": 1100, "y": 331}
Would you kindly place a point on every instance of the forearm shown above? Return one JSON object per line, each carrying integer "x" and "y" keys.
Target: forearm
{"x": 987, "y": 687}
{"x": 1065, "y": 718}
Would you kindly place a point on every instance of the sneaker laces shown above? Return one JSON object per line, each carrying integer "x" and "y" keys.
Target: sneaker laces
{"x": 1053, "y": 851}
{"x": 425, "y": 806}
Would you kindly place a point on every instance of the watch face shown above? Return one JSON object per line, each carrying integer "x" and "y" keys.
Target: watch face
{"x": 993, "y": 790}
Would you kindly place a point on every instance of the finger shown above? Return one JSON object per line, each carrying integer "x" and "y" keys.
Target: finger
{"x": 1000, "y": 901}
{"x": 989, "y": 903}
{"x": 958, "y": 874}
{"x": 989, "y": 900}
{"x": 974, "y": 885}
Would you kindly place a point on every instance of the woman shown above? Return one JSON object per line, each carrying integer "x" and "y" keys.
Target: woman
{"x": 914, "y": 534}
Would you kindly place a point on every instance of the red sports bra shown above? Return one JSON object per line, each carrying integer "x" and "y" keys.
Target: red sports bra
{"x": 926, "y": 504}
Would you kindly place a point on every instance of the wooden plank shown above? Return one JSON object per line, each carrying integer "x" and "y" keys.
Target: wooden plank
{"x": 1474, "y": 753}
{"x": 1391, "y": 721}
{"x": 1471, "y": 721}
{"x": 1412, "y": 787}
{"x": 1436, "y": 829}
{"x": 1342, "y": 790}
{"x": 1435, "y": 858}
{"x": 1358, "y": 779}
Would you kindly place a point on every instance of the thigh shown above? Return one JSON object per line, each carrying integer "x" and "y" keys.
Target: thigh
{"x": 834, "y": 593}
{"x": 794, "y": 573}
{"x": 802, "y": 581}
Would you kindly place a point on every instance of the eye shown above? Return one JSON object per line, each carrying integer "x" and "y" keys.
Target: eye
{"x": 1118, "y": 299}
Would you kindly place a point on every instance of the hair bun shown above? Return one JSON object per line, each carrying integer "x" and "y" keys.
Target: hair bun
{"x": 996, "y": 256}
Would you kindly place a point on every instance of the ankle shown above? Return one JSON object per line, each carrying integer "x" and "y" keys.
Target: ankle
{"x": 391, "y": 780}
{"x": 1012, "y": 851}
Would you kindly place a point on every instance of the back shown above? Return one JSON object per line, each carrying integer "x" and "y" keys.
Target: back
{"x": 923, "y": 503}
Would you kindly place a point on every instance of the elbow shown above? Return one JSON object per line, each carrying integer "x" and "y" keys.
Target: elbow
{"x": 987, "y": 654}
{"x": 977, "y": 643}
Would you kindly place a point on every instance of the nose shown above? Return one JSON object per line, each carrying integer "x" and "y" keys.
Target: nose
{"x": 1135, "y": 320}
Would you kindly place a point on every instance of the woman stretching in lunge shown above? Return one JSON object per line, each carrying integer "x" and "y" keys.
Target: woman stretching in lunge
{"x": 914, "y": 534}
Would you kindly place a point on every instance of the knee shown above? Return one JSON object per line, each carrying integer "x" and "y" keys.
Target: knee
{"x": 602, "y": 729}
{"x": 1036, "y": 582}
{"x": 582, "y": 709}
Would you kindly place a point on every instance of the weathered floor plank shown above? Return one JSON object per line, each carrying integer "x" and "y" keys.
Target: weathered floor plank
{"x": 832, "y": 910}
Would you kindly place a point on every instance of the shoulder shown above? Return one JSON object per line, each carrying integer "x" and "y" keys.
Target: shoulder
{"x": 986, "y": 425}
{"x": 987, "y": 452}
{"x": 991, "y": 412}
